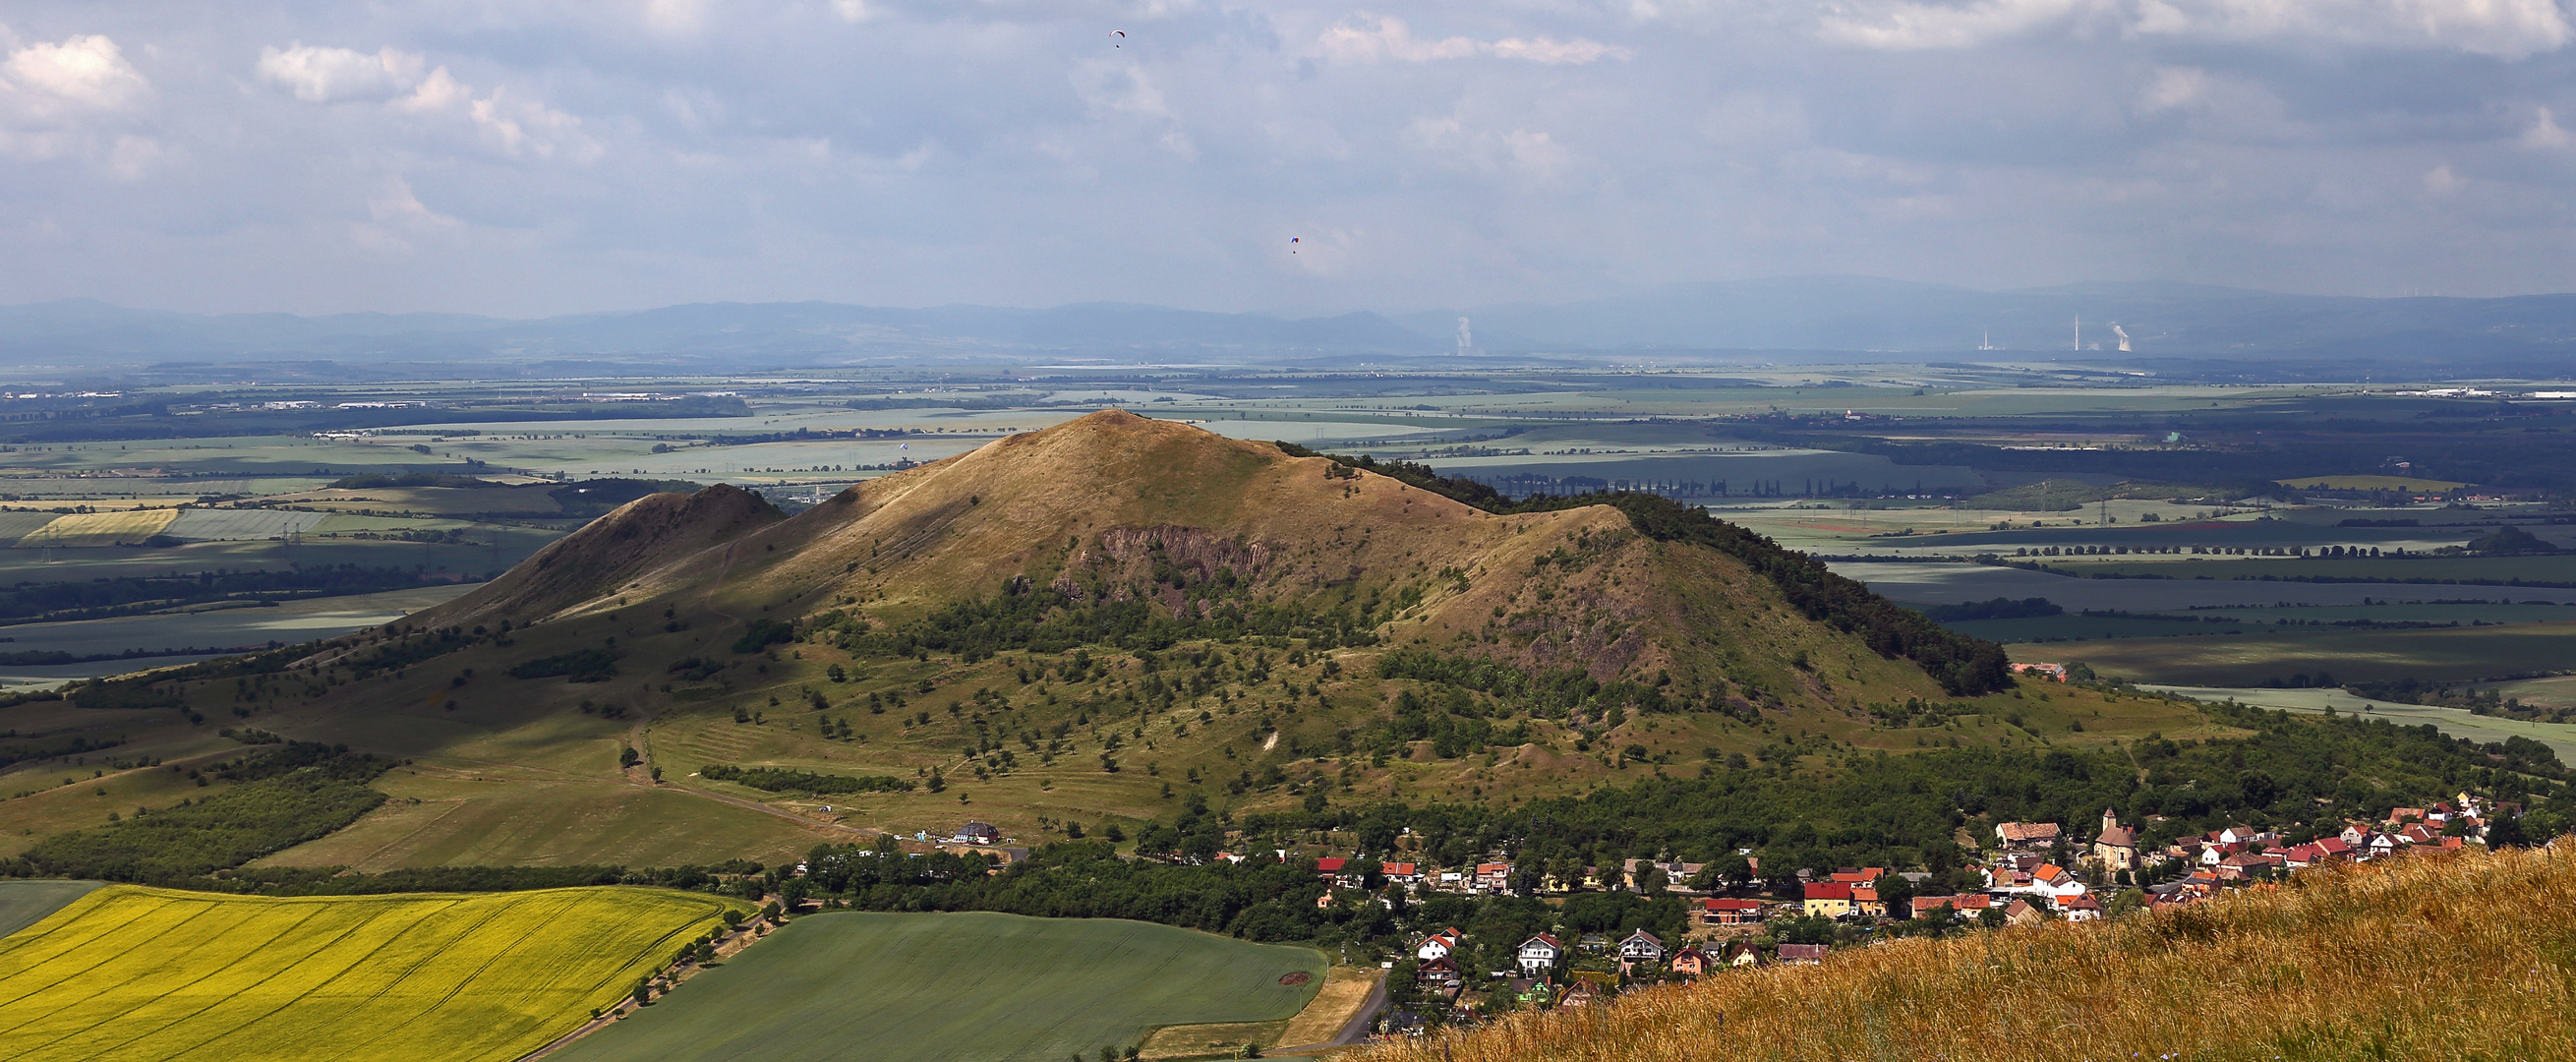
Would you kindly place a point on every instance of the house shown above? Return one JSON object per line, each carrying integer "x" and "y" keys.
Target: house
{"x": 1539, "y": 953}
{"x": 2056, "y": 883}
{"x": 2116, "y": 848}
{"x": 1690, "y": 961}
{"x": 1641, "y": 947}
{"x": 1865, "y": 902}
{"x": 2082, "y": 909}
{"x": 978, "y": 833}
{"x": 1494, "y": 878}
{"x": 1405, "y": 874}
{"x": 1832, "y": 899}
{"x": 2242, "y": 866}
{"x": 2021, "y": 913}
{"x": 1441, "y": 972}
{"x": 1582, "y": 993}
{"x": 1742, "y": 953}
{"x": 1592, "y": 944}
{"x": 2027, "y": 834}
{"x": 1438, "y": 945}
{"x": 1965, "y": 906}
{"x": 1725, "y": 912}
{"x": 2054, "y": 672}
{"x": 1804, "y": 954}
{"x": 1334, "y": 869}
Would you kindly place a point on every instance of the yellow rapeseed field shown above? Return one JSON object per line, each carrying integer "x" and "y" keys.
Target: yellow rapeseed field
{"x": 100, "y": 529}
{"x": 2433, "y": 958}
{"x": 130, "y": 973}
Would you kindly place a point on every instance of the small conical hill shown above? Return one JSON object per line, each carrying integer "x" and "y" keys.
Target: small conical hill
{"x": 1118, "y": 507}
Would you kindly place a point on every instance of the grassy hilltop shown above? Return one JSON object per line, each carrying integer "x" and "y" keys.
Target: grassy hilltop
{"x": 2432, "y": 958}
{"x": 1080, "y": 625}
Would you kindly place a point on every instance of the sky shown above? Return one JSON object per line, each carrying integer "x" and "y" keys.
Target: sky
{"x": 539, "y": 157}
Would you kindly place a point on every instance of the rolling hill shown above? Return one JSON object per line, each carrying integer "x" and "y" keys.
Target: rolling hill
{"x": 1081, "y": 625}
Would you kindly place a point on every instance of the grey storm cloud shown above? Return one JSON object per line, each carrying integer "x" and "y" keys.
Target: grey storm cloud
{"x": 526, "y": 158}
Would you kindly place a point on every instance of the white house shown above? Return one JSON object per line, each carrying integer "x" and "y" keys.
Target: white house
{"x": 1540, "y": 953}
{"x": 1641, "y": 947}
{"x": 1438, "y": 945}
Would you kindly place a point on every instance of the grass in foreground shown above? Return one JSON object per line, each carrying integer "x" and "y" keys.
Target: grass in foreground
{"x": 2432, "y": 958}
{"x": 135, "y": 973}
{"x": 974, "y": 986}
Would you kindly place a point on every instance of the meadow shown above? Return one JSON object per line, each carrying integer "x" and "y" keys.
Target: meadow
{"x": 136, "y": 973}
{"x": 970, "y": 986}
{"x": 2363, "y": 963}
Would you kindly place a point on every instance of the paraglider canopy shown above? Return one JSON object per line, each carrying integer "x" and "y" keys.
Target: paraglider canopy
{"x": 1121, "y": 35}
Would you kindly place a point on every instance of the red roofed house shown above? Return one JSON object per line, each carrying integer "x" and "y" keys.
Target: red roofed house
{"x": 1723, "y": 912}
{"x": 1832, "y": 899}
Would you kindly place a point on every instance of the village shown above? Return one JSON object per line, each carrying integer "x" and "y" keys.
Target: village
{"x": 2028, "y": 873}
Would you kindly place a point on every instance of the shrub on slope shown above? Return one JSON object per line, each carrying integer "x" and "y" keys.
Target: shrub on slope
{"x": 2431, "y": 958}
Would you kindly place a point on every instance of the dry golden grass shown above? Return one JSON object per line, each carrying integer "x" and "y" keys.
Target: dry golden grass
{"x": 2460, "y": 957}
{"x": 101, "y": 529}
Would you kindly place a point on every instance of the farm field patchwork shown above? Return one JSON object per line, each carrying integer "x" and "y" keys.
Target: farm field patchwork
{"x": 974, "y": 986}
{"x": 25, "y": 903}
{"x": 100, "y": 529}
{"x": 1943, "y": 584}
{"x": 136, "y": 973}
{"x": 2442, "y": 654}
{"x": 2457, "y": 722}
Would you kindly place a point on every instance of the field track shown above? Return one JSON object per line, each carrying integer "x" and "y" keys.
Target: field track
{"x": 130, "y": 974}
{"x": 973, "y": 987}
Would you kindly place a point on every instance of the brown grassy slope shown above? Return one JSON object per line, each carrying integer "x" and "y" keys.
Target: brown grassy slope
{"x": 1084, "y": 504}
{"x": 2433, "y": 958}
{"x": 642, "y": 536}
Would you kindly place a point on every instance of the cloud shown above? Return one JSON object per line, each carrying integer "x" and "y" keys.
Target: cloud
{"x": 2544, "y": 134}
{"x": 1908, "y": 26}
{"x": 81, "y": 73}
{"x": 513, "y": 126}
{"x": 2509, "y": 29}
{"x": 1379, "y": 38}
{"x": 327, "y": 75}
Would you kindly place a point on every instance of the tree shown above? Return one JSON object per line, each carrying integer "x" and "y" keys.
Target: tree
{"x": 1897, "y": 891}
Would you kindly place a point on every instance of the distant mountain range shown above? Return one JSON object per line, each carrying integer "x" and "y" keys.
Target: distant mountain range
{"x": 1793, "y": 316}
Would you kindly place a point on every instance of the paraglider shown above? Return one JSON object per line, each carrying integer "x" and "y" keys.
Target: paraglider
{"x": 1292, "y": 245}
{"x": 1122, "y": 35}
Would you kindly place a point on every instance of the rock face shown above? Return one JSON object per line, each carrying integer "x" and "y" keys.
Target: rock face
{"x": 1114, "y": 506}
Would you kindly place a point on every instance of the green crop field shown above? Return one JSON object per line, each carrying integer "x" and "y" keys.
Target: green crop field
{"x": 982, "y": 987}
{"x": 2448, "y": 654}
{"x": 25, "y": 903}
{"x": 135, "y": 973}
